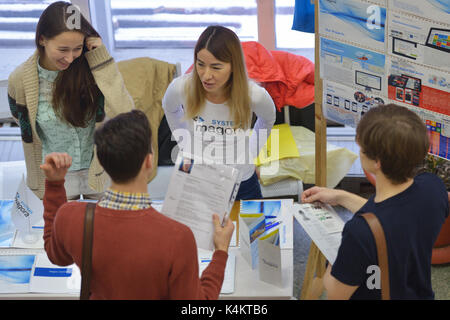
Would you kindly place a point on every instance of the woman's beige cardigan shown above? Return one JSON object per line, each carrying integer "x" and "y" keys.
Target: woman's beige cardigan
{"x": 23, "y": 94}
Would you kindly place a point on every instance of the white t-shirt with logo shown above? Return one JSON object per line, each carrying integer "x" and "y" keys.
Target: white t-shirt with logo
{"x": 211, "y": 135}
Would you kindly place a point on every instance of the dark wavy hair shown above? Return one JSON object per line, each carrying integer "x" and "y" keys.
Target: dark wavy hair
{"x": 75, "y": 94}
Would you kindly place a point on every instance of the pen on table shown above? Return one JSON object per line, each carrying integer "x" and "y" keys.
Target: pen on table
{"x": 271, "y": 217}
{"x": 270, "y": 226}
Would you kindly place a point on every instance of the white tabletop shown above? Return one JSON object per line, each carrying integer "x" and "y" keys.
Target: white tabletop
{"x": 247, "y": 283}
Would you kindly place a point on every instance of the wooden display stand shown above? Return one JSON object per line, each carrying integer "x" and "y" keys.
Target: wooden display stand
{"x": 315, "y": 268}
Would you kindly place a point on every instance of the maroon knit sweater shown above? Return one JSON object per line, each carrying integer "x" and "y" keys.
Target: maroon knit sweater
{"x": 138, "y": 254}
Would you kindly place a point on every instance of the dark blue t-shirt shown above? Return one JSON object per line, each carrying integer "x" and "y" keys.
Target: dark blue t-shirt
{"x": 411, "y": 222}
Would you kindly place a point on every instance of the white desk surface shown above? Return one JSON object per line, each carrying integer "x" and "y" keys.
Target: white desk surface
{"x": 247, "y": 283}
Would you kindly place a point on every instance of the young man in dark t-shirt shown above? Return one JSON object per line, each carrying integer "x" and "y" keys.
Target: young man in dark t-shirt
{"x": 412, "y": 209}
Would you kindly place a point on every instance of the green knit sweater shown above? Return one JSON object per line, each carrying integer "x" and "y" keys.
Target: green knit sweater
{"x": 23, "y": 97}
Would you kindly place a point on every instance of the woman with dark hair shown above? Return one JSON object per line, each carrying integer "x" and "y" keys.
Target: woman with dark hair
{"x": 214, "y": 105}
{"x": 59, "y": 94}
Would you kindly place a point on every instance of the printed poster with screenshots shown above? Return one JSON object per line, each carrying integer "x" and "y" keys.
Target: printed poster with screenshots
{"x": 437, "y": 10}
{"x": 353, "y": 66}
{"x": 418, "y": 86}
{"x": 354, "y": 21}
{"x": 346, "y": 105}
{"x": 419, "y": 41}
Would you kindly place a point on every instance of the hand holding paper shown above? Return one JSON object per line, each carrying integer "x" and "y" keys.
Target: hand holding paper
{"x": 56, "y": 166}
{"x": 222, "y": 235}
{"x": 333, "y": 197}
{"x": 197, "y": 191}
{"x": 325, "y": 195}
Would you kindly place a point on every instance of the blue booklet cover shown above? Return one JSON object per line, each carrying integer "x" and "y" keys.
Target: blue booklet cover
{"x": 7, "y": 228}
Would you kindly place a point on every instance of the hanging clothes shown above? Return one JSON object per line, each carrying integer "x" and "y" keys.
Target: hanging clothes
{"x": 287, "y": 77}
{"x": 304, "y": 16}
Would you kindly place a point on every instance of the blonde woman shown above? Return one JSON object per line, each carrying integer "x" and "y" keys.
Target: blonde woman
{"x": 210, "y": 110}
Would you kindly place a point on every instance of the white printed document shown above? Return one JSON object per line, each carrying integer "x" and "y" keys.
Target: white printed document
{"x": 269, "y": 258}
{"x": 49, "y": 278}
{"x": 26, "y": 271}
{"x": 323, "y": 225}
{"x": 197, "y": 190}
{"x": 230, "y": 269}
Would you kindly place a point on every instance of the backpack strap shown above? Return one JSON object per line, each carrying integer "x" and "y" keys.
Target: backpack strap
{"x": 86, "y": 262}
{"x": 382, "y": 253}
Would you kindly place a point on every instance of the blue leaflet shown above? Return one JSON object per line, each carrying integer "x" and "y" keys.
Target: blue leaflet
{"x": 52, "y": 272}
{"x": 16, "y": 269}
{"x": 6, "y": 226}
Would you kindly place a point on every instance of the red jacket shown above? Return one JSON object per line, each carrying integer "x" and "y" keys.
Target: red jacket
{"x": 287, "y": 77}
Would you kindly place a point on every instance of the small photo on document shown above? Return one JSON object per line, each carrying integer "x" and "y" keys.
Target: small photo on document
{"x": 186, "y": 165}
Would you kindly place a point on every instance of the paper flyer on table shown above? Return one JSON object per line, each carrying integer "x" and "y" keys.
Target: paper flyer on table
{"x": 323, "y": 225}
{"x": 49, "y": 278}
{"x": 269, "y": 258}
{"x": 353, "y": 20}
{"x": 356, "y": 67}
{"x": 419, "y": 40}
{"x": 7, "y": 228}
{"x": 197, "y": 189}
{"x": 346, "y": 105}
{"x": 277, "y": 213}
{"x": 28, "y": 271}
{"x": 438, "y": 10}
{"x": 230, "y": 269}
{"x": 15, "y": 273}
{"x": 251, "y": 226}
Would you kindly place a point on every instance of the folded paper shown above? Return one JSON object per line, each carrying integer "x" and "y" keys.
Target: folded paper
{"x": 269, "y": 258}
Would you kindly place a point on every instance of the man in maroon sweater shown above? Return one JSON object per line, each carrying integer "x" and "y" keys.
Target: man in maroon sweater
{"x": 138, "y": 253}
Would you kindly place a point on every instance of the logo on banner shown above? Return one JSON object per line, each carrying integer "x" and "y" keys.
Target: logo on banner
{"x": 374, "y": 20}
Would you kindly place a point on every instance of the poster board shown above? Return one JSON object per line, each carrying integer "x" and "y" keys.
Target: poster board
{"x": 370, "y": 52}
{"x": 386, "y": 51}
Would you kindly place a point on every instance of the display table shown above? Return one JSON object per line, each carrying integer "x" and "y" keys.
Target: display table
{"x": 247, "y": 283}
